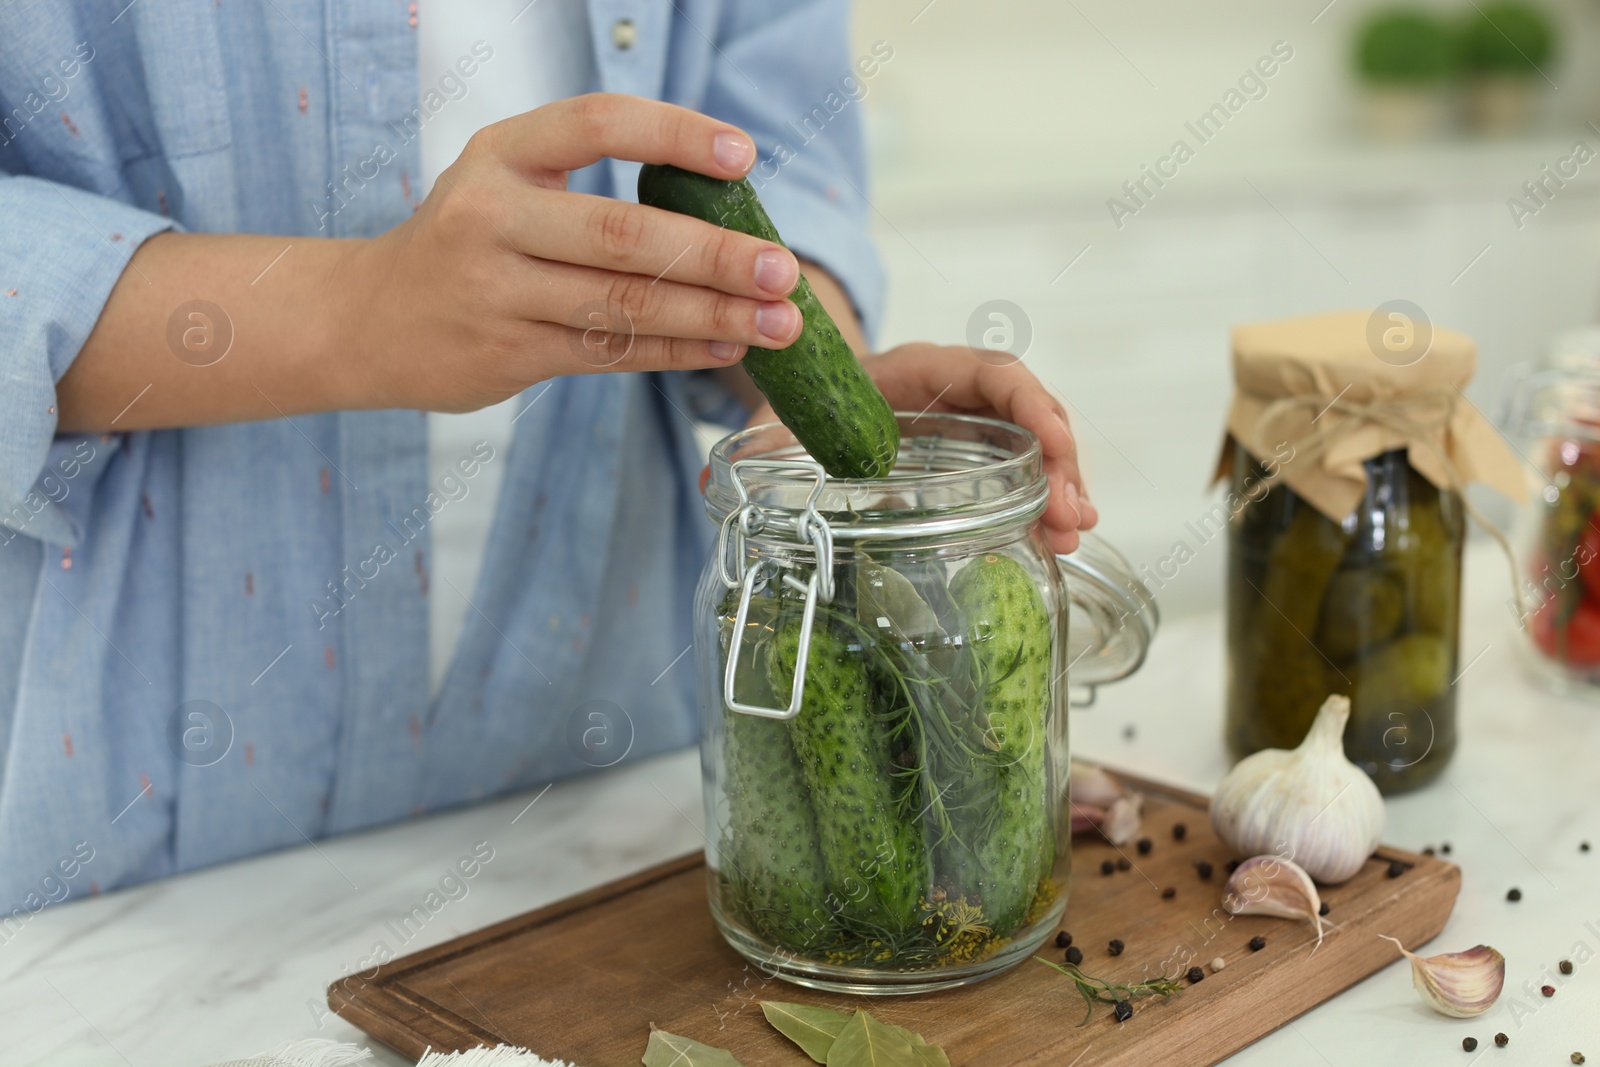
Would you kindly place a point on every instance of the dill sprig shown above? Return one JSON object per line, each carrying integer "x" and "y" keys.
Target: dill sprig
{"x": 1098, "y": 990}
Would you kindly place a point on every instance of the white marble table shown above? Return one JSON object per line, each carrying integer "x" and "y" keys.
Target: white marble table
{"x": 230, "y": 961}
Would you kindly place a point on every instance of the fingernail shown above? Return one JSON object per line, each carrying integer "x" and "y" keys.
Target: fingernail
{"x": 724, "y": 350}
{"x": 1069, "y": 493}
{"x": 733, "y": 151}
{"x": 778, "y": 320}
{"x": 777, "y": 271}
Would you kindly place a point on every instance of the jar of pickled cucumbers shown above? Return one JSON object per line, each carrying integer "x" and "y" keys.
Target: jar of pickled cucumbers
{"x": 883, "y": 671}
{"x": 1552, "y": 411}
{"x": 1346, "y": 462}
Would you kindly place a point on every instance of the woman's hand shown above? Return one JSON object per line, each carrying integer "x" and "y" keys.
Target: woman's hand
{"x": 925, "y": 377}
{"x": 503, "y": 278}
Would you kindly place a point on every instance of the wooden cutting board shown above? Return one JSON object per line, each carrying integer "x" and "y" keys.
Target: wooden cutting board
{"x": 584, "y": 978}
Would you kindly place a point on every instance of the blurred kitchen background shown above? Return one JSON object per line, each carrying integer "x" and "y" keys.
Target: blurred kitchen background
{"x": 1000, "y": 130}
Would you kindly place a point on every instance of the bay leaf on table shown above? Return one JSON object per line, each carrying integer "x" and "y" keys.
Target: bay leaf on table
{"x": 813, "y": 1029}
{"x": 927, "y": 1055}
{"x": 671, "y": 1050}
{"x": 866, "y": 1042}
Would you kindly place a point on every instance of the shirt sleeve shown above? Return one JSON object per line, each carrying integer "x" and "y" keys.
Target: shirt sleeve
{"x": 61, "y": 252}
{"x": 782, "y": 70}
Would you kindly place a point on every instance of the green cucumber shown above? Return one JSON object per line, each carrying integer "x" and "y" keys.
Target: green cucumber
{"x": 817, "y": 386}
{"x": 1004, "y": 844}
{"x": 771, "y": 859}
{"x": 872, "y": 848}
{"x": 772, "y": 851}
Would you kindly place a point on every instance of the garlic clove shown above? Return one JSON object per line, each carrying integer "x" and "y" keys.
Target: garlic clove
{"x": 1271, "y": 885}
{"x": 1100, "y": 801}
{"x": 1123, "y": 819}
{"x": 1458, "y": 984}
{"x": 1309, "y": 803}
{"x": 1094, "y": 786}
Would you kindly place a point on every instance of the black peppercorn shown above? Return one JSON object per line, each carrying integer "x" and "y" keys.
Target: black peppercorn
{"x": 1548, "y": 990}
{"x": 1257, "y": 943}
{"x": 1514, "y": 895}
{"x": 1124, "y": 863}
{"x": 1145, "y": 845}
{"x": 1469, "y": 1043}
{"x": 1063, "y": 940}
{"x": 1129, "y": 732}
{"x": 1396, "y": 868}
{"x": 1428, "y": 851}
{"x": 1233, "y": 865}
{"x": 1565, "y": 966}
{"x": 1179, "y": 831}
{"x": 1445, "y": 848}
{"x": 1074, "y": 955}
{"x": 1168, "y": 893}
{"x": 1501, "y": 1040}
{"x": 1123, "y": 1011}
{"x": 1115, "y": 947}
{"x": 1106, "y": 867}
{"x": 1583, "y": 846}
{"x": 1324, "y": 909}
{"x": 1195, "y": 975}
{"x": 1204, "y": 869}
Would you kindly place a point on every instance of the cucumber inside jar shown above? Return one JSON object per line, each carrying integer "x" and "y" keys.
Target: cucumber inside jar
{"x": 902, "y": 821}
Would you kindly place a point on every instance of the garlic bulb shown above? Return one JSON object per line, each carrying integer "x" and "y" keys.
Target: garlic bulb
{"x": 1458, "y": 984}
{"x": 1309, "y": 804}
{"x": 1268, "y": 885}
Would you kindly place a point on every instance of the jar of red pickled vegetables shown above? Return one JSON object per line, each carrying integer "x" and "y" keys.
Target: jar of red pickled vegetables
{"x": 1553, "y": 412}
{"x": 883, "y": 672}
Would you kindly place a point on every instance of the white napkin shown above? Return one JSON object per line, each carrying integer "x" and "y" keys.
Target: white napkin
{"x": 319, "y": 1053}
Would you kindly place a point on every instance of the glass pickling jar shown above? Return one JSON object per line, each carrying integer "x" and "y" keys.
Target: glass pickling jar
{"x": 883, "y": 682}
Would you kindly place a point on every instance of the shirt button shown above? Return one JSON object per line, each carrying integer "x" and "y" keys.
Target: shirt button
{"x": 624, "y": 33}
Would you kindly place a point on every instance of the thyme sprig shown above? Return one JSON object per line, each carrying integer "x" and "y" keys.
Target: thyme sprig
{"x": 1098, "y": 990}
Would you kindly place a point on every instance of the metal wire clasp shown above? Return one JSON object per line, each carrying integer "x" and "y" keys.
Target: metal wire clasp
{"x": 737, "y": 573}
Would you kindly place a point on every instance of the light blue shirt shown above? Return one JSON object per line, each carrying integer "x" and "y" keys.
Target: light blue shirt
{"x": 213, "y": 642}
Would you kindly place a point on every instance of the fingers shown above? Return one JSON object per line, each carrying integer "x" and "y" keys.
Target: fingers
{"x": 959, "y": 379}
{"x": 633, "y": 303}
{"x": 616, "y": 235}
{"x": 597, "y": 350}
{"x": 581, "y": 130}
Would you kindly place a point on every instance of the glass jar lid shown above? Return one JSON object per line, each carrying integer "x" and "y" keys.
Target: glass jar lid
{"x": 1559, "y": 396}
{"x": 1114, "y": 616}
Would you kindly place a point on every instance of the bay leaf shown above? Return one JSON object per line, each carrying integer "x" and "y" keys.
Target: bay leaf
{"x": 927, "y": 1055}
{"x": 813, "y": 1029}
{"x": 670, "y": 1050}
{"x": 866, "y": 1042}
{"x": 887, "y": 600}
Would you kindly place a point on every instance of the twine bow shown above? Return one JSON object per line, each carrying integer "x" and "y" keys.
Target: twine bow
{"x": 1398, "y": 415}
